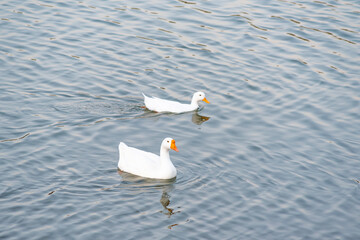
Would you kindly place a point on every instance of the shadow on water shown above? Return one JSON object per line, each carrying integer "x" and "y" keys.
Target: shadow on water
{"x": 143, "y": 184}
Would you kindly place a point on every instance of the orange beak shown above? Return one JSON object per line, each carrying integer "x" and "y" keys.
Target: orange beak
{"x": 205, "y": 100}
{"x": 173, "y": 146}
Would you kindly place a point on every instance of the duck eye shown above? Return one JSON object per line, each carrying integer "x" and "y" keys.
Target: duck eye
{"x": 167, "y": 141}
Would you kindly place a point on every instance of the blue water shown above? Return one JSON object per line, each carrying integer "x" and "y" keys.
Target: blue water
{"x": 275, "y": 155}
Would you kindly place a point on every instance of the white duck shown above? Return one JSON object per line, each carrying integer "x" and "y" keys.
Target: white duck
{"x": 146, "y": 164}
{"x": 162, "y": 105}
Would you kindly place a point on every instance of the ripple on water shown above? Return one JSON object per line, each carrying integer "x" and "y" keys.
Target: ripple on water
{"x": 275, "y": 154}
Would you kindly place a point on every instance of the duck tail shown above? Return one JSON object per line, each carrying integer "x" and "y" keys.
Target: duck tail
{"x": 146, "y": 100}
{"x": 122, "y": 147}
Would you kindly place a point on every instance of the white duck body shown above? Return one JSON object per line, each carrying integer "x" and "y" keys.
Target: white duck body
{"x": 163, "y": 105}
{"x": 146, "y": 164}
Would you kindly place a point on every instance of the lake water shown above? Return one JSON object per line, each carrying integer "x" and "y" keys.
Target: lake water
{"x": 275, "y": 155}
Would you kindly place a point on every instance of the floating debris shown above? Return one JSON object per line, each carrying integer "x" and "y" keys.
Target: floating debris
{"x": 172, "y": 225}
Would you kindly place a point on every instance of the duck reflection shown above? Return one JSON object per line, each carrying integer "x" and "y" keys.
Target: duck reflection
{"x": 165, "y": 201}
{"x": 140, "y": 183}
{"x": 198, "y": 119}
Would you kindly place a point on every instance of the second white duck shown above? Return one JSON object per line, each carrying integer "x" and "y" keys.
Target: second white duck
{"x": 146, "y": 164}
{"x": 163, "y": 105}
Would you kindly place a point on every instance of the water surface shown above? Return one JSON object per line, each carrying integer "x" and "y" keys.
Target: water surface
{"x": 274, "y": 156}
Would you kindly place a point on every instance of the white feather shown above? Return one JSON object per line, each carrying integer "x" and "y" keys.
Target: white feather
{"x": 146, "y": 164}
{"x": 163, "y": 105}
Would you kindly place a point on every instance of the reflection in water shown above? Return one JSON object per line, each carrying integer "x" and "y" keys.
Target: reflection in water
{"x": 165, "y": 201}
{"x": 198, "y": 119}
{"x": 195, "y": 117}
{"x": 143, "y": 184}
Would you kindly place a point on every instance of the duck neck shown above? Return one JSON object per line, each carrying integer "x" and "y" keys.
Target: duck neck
{"x": 194, "y": 103}
{"x": 164, "y": 154}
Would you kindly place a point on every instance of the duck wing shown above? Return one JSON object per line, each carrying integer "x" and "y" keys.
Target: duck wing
{"x": 163, "y": 105}
{"x": 136, "y": 161}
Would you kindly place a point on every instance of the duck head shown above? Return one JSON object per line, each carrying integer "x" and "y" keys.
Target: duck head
{"x": 199, "y": 96}
{"x": 169, "y": 143}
